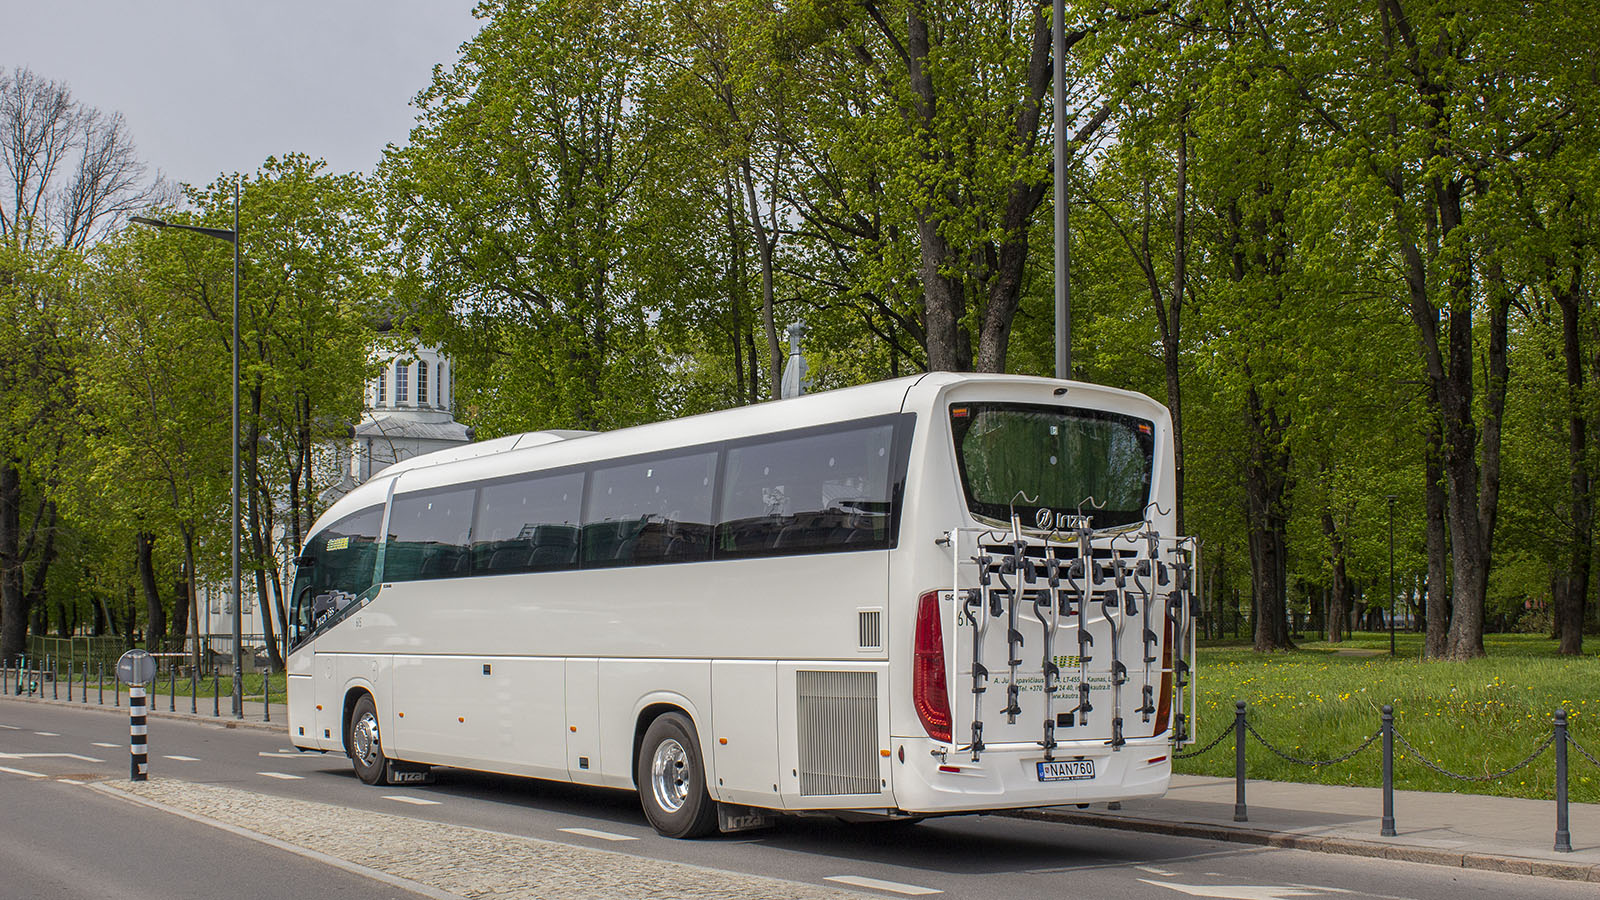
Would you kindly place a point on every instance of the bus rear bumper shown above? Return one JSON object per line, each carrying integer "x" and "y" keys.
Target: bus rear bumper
{"x": 1008, "y": 776}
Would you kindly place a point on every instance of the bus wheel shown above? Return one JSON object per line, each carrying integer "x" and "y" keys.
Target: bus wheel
{"x": 366, "y": 750}
{"x": 672, "y": 781}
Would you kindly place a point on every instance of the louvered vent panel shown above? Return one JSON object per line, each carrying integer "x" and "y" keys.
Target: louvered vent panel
{"x": 869, "y": 624}
{"x": 838, "y": 732}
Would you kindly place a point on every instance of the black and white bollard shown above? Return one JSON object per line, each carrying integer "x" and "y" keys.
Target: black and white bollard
{"x": 137, "y": 668}
{"x": 138, "y": 735}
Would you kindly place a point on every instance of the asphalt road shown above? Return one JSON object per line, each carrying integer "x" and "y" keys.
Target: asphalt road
{"x": 59, "y": 839}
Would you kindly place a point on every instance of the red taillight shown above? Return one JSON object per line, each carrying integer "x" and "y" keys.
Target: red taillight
{"x": 1164, "y": 705}
{"x": 929, "y": 692}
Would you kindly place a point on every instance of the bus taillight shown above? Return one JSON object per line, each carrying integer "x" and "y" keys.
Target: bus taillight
{"x": 1164, "y": 705}
{"x": 929, "y": 692}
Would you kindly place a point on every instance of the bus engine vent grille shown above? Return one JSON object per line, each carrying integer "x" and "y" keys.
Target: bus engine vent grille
{"x": 838, "y": 732}
{"x": 869, "y": 629}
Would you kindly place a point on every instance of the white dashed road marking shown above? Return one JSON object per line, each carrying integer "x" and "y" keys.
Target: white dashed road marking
{"x": 182, "y": 758}
{"x": 104, "y": 744}
{"x": 876, "y": 884}
{"x": 276, "y": 754}
{"x": 414, "y": 801}
{"x": 10, "y": 727}
{"x": 22, "y": 772}
{"x": 601, "y": 835}
{"x": 1154, "y": 870}
{"x": 47, "y": 734}
{"x": 76, "y": 756}
{"x": 280, "y": 776}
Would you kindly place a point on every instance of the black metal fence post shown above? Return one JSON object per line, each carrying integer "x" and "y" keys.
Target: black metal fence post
{"x": 1563, "y": 836}
{"x": 71, "y": 670}
{"x": 172, "y": 689}
{"x": 85, "y": 683}
{"x": 100, "y": 680}
{"x": 5, "y": 676}
{"x": 216, "y": 702}
{"x": 55, "y": 682}
{"x": 194, "y": 676}
{"x": 1387, "y": 829}
{"x": 1240, "y": 814}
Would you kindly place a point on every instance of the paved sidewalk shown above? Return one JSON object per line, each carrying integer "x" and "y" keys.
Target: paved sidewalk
{"x": 1464, "y": 830}
{"x": 157, "y": 706}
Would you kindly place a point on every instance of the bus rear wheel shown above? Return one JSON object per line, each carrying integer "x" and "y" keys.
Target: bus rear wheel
{"x": 366, "y": 747}
{"x": 672, "y": 781}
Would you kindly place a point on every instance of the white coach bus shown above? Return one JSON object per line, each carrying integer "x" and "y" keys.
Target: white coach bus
{"x": 941, "y": 594}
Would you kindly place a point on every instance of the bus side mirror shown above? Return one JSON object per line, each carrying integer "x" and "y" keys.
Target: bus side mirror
{"x": 305, "y": 562}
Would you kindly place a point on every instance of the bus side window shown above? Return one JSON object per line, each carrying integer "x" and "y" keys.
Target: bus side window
{"x": 656, "y": 510}
{"x": 527, "y": 525}
{"x": 814, "y": 492}
{"x": 428, "y": 536}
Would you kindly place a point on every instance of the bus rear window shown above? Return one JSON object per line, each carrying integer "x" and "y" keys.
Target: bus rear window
{"x": 1061, "y": 460}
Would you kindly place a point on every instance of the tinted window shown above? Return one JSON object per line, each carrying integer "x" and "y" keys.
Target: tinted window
{"x": 1061, "y": 460}
{"x": 812, "y": 492}
{"x": 336, "y": 568}
{"x": 527, "y": 526}
{"x": 650, "y": 511}
{"x": 428, "y": 536}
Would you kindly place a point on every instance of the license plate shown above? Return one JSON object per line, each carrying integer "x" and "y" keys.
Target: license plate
{"x": 1066, "y": 770}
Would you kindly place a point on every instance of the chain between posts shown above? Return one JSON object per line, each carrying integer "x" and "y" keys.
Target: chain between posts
{"x": 1549, "y": 739}
{"x": 1314, "y": 763}
{"x": 1586, "y": 754}
{"x": 1207, "y": 748}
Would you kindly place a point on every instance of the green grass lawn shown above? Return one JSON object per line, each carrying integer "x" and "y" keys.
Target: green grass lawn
{"x": 1473, "y": 718}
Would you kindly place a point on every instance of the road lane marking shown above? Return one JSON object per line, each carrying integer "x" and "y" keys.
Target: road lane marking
{"x": 1155, "y": 870}
{"x": 601, "y": 835}
{"x": 47, "y": 734}
{"x": 78, "y": 756}
{"x": 414, "y": 801}
{"x": 21, "y": 772}
{"x": 1241, "y": 891}
{"x": 878, "y": 884}
{"x": 278, "y": 754}
{"x": 182, "y": 758}
{"x": 70, "y": 781}
{"x": 280, "y": 776}
{"x": 10, "y": 727}
{"x": 104, "y": 744}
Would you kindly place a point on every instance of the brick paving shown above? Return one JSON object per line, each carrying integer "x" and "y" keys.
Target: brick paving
{"x": 467, "y": 862}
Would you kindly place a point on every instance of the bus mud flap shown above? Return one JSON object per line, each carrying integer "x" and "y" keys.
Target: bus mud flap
{"x": 732, "y": 818}
{"x": 409, "y": 773}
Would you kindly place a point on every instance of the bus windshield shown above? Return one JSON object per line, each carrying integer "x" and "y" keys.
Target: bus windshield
{"x": 1061, "y": 460}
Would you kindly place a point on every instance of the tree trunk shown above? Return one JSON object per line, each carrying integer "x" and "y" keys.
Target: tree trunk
{"x": 13, "y": 602}
{"x": 1339, "y": 590}
{"x": 155, "y": 615}
{"x": 1438, "y": 624}
{"x": 1572, "y": 591}
{"x": 1266, "y": 488}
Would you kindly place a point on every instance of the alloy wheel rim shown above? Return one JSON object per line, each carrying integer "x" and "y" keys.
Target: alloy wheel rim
{"x": 366, "y": 739}
{"x": 669, "y": 775}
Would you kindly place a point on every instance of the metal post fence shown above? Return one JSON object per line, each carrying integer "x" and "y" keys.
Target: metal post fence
{"x": 1239, "y": 811}
{"x": 1563, "y": 836}
{"x": 1387, "y": 826}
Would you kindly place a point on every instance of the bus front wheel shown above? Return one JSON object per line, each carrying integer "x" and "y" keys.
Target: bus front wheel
{"x": 366, "y": 748}
{"x": 672, "y": 781}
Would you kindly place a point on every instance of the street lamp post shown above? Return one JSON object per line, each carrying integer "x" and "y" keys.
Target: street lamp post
{"x": 1063, "y": 265}
{"x": 232, "y": 237}
{"x": 1391, "y": 498}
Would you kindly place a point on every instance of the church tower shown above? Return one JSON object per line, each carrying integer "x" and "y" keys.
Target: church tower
{"x": 409, "y": 411}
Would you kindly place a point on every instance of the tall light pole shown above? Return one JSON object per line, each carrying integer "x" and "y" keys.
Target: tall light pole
{"x": 1391, "y": 498}
{"x": 232, "y": 237}
{"x": 1063, "y": 264}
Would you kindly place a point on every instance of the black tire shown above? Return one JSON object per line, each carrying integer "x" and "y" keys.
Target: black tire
{"x": 671, "y": 775}
{"x": 364, "y": 742}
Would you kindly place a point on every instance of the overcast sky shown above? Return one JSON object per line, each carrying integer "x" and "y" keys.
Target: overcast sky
{"x": 215, "y": 87}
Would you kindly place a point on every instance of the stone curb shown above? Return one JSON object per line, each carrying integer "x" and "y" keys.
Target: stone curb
{"x": 223, "y": 721}
{"x": 1347, "y": 846}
